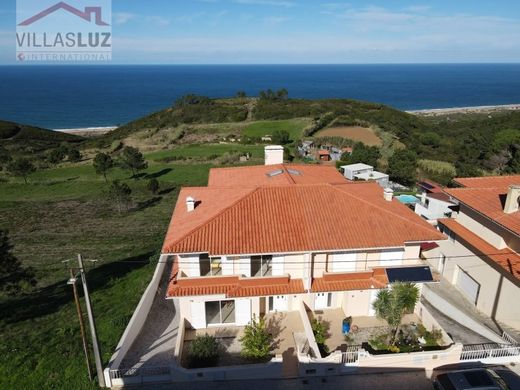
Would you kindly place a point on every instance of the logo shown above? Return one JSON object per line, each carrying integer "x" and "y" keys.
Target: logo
{"x": 72, "y": 31}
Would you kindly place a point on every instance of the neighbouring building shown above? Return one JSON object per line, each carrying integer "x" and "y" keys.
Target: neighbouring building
{"x": 268, "y": 238}
{"x": 481, "y": 256}
{"x": 360, "y": 171}
{"x": 433, "y": 202}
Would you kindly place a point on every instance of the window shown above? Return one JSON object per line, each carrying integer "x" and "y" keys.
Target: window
{"x": 261, "y": 265}
{"x": 210, "y": 266}
{"x": 220, "y": 312}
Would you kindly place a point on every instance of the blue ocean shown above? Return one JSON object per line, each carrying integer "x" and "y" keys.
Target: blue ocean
{"x": 60, "y": 97}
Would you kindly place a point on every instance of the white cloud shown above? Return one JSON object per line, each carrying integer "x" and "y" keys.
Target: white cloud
{"x": 158, "y": 20}
{"x": 276, "y": 3}
{"x": 122, "y": 17}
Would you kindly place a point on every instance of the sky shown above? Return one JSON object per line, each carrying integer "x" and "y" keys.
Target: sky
{"x": 307, "y": 31}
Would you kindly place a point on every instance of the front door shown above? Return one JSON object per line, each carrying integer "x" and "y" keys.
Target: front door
{"x": 322, "y": 300}
{"x": 278, "y": 303}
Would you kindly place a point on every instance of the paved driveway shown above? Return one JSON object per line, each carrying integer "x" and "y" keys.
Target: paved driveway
{"x": 155, "y": 344}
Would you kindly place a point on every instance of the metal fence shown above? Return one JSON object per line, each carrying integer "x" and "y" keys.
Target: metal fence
{"x": 139, "y": 372}
{"x": 509, "y": 339}
{"x": 351, "y": 355}
{"x": 490, "y": 351}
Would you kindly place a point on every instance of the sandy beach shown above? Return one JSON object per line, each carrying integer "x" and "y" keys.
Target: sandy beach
{"x": 466, "y": 110}
{"x": 88, "y": 131}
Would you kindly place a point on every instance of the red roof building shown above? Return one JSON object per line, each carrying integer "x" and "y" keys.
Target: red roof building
{"x": 274, "y": 237}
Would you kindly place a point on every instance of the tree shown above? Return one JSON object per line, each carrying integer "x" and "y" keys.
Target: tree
{"x": 56, "y": 155}
{"x": 102, "y": 164}
{"x": 74, "y": 155}
{"x": 256, "y": 341}
{"x": 5, "y": 158}
{"x": 203, "y": 351}
{"x": 402, "y": 167}
{"x": 133, "y": 159}
{"x": 119, "y": 193}
{"x": 281, "y": 137}
{"x": 21, "y": 167}
{"x": 153, "y": 186}
{"x": 241, "y": 94}
{"x": 282, "y": 94}
{"x": 393, "y": 303}
{"x": 362, "y": 153}
{"x": 12, "y": 275}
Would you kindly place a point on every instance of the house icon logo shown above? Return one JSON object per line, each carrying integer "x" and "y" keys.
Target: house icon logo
{"x": 63, "y": 31}
{"x": 85, "y": 15}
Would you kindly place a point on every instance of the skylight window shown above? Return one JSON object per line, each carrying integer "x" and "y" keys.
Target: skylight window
{"x": 294, "y": 172}
{"x": 275, "y": 173}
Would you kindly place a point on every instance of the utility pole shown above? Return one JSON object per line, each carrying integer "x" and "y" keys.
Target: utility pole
{"x": 92, "y": 323}
{"x": 72, "y": 281}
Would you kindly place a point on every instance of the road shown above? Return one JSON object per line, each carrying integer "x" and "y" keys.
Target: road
{"x": 387, "y": 381}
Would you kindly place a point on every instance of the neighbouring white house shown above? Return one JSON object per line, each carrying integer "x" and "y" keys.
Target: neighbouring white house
{"x": 360, "y": 171}
{"x": 270, "y": 238}
{"x": 433, "y": 202}
{"x": 481, "y": 255}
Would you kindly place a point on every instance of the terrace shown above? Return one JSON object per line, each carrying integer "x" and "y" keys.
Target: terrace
{"x": 280, "y": 325}
{"x": 363, "y": 328}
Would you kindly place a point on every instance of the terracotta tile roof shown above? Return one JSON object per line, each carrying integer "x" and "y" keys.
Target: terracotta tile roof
{"x": 323, "y": 152}
{"x": 260, "y": 175}
{"x": 282, "y": 219}
{"x": 489, "y": 202}
{"x": 365, "y": 280}
{"x": 508, "y": 260}
{"x": 488, "y": 181}
{"x": 234, "y": 286}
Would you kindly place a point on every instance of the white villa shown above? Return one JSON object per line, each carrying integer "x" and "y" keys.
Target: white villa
{"x": 267, "y": 238}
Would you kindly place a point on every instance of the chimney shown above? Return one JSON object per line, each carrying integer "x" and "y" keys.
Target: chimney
{"x": 388, "y": 194}
{"x": 190, "y": 204}
{"x": 511, "y": 205}
{"x": 423, "y": 197}
{"x": 273, "y": 154}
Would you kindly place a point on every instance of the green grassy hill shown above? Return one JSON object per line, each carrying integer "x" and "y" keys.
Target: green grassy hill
{"x": 21, "y": 139}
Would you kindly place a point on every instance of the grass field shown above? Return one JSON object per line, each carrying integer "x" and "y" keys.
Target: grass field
{"x": 355, "y": 133}
{"x": 60, "y": 213}
{"x": 207, "y": 151}
{"x": 295, "y": 127}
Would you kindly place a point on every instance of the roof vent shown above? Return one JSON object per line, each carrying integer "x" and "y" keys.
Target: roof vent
{"x": 511, "y": 205}
{"x": 190, "y": 204}
{"x": 388, "y": 194}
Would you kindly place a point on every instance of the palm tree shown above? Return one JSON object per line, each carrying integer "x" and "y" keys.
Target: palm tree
{"x": 394, "y": 302}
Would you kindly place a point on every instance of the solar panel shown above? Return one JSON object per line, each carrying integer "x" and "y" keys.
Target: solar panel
{"x": 409, "y": 274}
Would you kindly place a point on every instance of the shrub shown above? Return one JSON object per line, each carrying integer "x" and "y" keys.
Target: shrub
{"x": 153, "y": 185}
{"x": 203, "y": 352}
{"x": 256, "y": 342}
{"x": 281, "y": 137}
{"x": 319, "y": 329}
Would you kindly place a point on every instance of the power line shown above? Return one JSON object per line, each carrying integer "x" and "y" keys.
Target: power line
{"x": 305, "y": 262}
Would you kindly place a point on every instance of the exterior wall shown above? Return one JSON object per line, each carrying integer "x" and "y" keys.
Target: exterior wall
{"x": 319, "y": 264}
{"x": 481, "y": 227}
{"x": 436, "y": 209}
{"x": 355, "y": 303}
{"x": 496, "y": 293}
